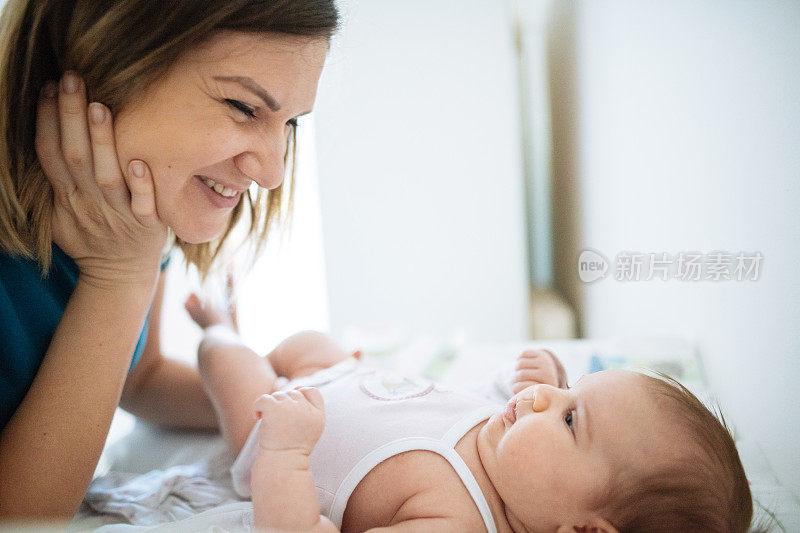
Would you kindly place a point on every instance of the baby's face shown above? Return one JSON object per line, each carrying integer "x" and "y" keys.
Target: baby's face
{"x": 553, "y": 450}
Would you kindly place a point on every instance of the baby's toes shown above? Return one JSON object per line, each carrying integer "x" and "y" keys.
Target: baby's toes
{"x": 194, "y": 306}
{"x": 192, "y": 303}
{"x": 530, "y": 358}
{"x": 531, "y": 376}
{"x": 518, "y": 386}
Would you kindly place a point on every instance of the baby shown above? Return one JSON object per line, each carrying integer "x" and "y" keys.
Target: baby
{"x": 343, "y": 446}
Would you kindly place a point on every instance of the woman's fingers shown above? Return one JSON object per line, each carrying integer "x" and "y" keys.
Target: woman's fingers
{"x": 75, "y": 142}
{"x": 105, "y": 217}
{"x": 107, "y": 173}
{"x": 76, "y": 145}
{"x": 48, "y": 141}
{"x": 90, "y": 156}
{"x": 143, "y": 198}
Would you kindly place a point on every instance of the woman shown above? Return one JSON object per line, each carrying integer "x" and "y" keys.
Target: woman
{"x": 192, "y": 101}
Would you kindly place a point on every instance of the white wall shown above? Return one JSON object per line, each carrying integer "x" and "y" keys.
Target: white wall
{"x": 677, "y": 128}
{"x": 420, "y": 179}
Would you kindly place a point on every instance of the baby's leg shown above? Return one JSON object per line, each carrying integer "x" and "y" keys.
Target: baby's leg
{"x": 233, "y": 375}
{"x": 306, "y": 352}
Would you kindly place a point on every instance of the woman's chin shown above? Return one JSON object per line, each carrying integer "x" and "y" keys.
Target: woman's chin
{"x": 195, "y": 234}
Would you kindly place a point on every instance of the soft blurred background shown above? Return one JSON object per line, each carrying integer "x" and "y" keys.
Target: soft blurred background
{"x": 462, "y": 155}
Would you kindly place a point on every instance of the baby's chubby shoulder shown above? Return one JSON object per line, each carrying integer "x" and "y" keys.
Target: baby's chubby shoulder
{"x": 414, "y": 485}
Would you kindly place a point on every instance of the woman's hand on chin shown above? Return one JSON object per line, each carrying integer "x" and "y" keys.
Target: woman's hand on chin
{"x": 104, "y": 218}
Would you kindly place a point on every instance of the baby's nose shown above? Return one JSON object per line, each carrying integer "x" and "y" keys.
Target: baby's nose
{"x": 538, "y": 398}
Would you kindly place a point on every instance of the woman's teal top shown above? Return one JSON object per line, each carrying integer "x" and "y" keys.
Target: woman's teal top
{"x": 30, "y": 309}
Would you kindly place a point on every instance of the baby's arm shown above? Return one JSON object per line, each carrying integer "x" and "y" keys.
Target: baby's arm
{"x": 538, "y": 366}
{"x": 282, "y": 487}
{"x": 283, "y": 492}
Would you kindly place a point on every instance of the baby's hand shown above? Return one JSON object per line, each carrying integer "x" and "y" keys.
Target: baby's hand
{"x": 290, "y": 420}
{"x": 538, "y": 366}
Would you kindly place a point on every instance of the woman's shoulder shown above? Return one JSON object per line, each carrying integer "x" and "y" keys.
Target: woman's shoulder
{"x": 31, "y": 306}
{"x": 22, "y": 277}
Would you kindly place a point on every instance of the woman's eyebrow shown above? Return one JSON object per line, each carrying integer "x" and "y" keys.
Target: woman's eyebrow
{"x": 250, "y": 84}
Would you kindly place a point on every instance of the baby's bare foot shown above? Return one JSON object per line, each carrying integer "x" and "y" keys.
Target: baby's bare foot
{"x": 204, "y": 314}
{"x": 538, "y": 366}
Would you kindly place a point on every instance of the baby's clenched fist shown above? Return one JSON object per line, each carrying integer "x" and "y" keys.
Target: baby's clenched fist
{"x": 290, "y": 420}
{"x": 538, "y": 366}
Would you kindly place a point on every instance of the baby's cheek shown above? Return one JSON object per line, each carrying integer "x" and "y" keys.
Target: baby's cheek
{"x": 521, "y": 473}
{"x": 516, "y": 449}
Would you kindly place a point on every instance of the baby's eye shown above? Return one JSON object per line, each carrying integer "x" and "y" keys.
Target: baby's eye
{"x": 568, "y": 420}
{"x": 239, "y": 106}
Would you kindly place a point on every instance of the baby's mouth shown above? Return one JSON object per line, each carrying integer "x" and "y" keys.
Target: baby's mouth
{"x": 510, "y": 413}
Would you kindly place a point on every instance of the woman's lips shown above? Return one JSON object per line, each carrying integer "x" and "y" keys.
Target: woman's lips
{"x": 216, "y": 199}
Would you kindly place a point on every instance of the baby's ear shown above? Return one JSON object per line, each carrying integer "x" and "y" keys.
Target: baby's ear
{"x": 595, "y": 525}
{"x": 602, "y": 525}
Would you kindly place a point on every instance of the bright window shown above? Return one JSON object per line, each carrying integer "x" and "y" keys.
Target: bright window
{"x": 284, "y": 292}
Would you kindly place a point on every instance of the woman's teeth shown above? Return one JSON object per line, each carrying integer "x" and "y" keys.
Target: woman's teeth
{"x": 224, "y": 191}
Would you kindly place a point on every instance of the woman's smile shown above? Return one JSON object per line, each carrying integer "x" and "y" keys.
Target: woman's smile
{"x": 224, "y": 198}
{"x": 222, "y": 189}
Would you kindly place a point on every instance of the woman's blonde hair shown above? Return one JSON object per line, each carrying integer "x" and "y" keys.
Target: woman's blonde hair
{"x": 119, "y": 47}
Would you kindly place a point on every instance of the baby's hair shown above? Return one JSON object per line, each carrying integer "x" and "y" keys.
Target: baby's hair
{"x": 706, "y": 490}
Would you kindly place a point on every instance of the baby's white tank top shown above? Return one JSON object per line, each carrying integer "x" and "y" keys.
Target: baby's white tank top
{"x": 371, "y": 415}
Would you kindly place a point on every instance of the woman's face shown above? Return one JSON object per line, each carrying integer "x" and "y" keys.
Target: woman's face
{"x": 220, "y": 117}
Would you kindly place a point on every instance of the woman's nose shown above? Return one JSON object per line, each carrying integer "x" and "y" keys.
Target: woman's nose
{"x": 264, "y": 162}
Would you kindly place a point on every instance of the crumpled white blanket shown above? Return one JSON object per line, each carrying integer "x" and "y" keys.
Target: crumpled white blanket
{"x": 162, "y": 496}
{"x": 228, "y": 518}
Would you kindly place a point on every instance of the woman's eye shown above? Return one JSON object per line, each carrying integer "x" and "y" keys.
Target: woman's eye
{"x": 239, "y": 106}
{"x": 568, "y": 420}
{"x": 292, "y": 123}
